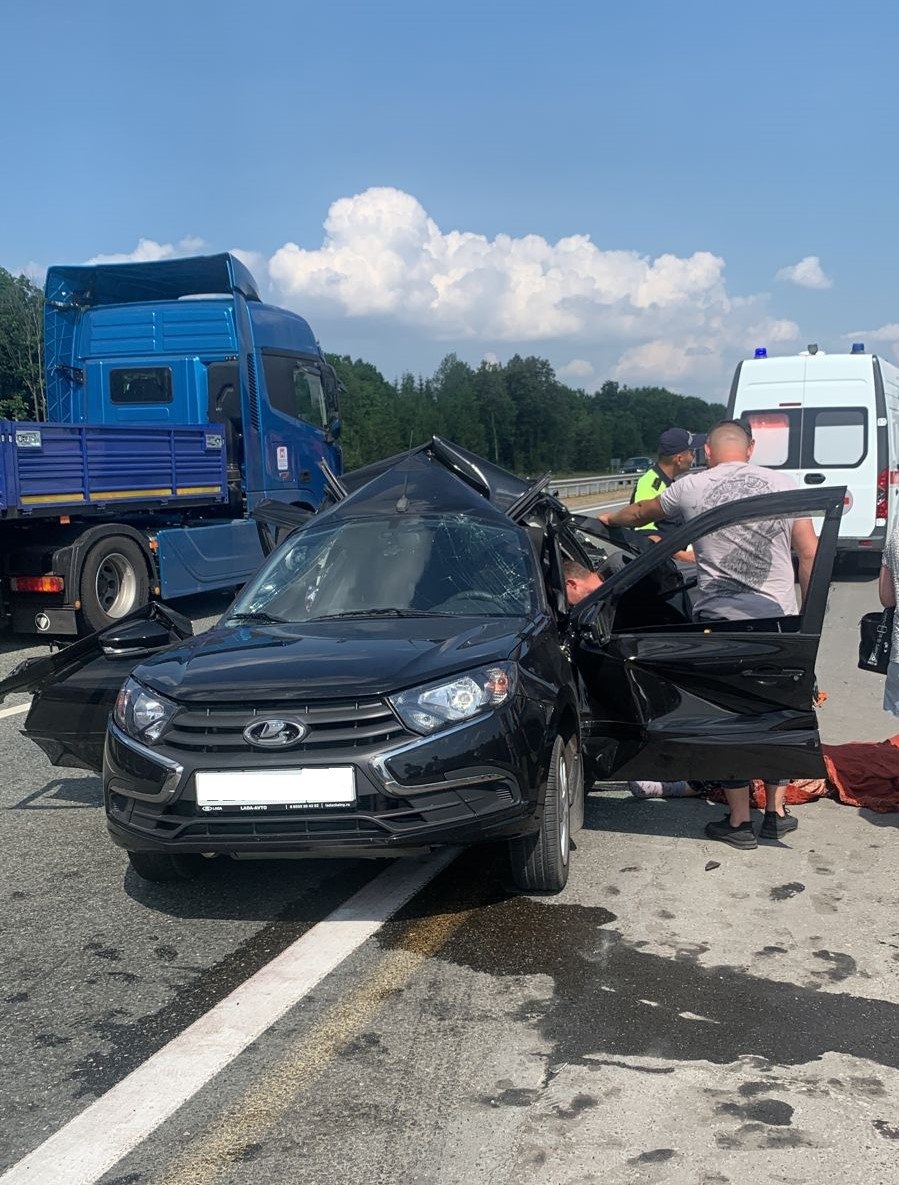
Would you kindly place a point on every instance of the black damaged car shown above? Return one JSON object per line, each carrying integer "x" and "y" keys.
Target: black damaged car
{"x": 404, "y": 672}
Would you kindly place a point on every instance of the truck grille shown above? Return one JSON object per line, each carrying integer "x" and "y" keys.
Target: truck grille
{"x": 334, "y": 724}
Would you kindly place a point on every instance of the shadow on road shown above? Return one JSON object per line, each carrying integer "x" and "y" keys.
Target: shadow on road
{"x": 63, "y": 794}
{"x": 255, "y": 890}
{"x": 683, "y": 818}
{"x": 890, "y": 819}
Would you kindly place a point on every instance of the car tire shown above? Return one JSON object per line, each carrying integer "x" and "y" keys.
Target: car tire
{"x": 114, "y": 581}
{"x": 160, "y": 867}
{"x": 538, "y": 863}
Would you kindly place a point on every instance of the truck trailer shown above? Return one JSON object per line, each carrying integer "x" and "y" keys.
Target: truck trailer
{"x": 177, "y": 401}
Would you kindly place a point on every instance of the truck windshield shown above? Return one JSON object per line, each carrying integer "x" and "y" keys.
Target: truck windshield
{"x": 402, "y": 565}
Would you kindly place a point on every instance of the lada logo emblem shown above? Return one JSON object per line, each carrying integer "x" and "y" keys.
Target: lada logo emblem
{"x": 273, "y": 733}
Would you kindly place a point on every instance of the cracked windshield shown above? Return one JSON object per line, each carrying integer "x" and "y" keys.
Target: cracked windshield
{"x": 449, "y": 565}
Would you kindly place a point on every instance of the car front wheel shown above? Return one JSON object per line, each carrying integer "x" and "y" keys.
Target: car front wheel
{"x": 538, "y": 863}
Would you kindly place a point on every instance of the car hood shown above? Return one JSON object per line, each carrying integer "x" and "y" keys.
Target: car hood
{"x": 328, "y": 660}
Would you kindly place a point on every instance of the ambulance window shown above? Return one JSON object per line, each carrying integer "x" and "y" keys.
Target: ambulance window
{"x": 839, "y": 437}
{"x": 771, "y": 433}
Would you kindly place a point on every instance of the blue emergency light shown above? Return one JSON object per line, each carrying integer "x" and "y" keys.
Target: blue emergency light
{"x": 858, "y": 347}
{"x": 761, "y": 352}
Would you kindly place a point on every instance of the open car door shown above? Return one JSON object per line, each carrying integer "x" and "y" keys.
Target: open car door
{"x": 75, "y": 689}
{"x": 668, "y": 699}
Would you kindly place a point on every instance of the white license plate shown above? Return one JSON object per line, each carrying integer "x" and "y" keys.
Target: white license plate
{"x": 314, "y": 786}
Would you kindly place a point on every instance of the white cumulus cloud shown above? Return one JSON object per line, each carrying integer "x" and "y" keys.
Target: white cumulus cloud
{"x": 148, "y": 251}
{"x": 385, "y": 272}
{"x": 577, "y": 368}
{"x": 772, "y": 330}
{"x": 254, "y": 260}
{"x": 675, "y": 360}
{"x": 886, "y": 335}
{"x": 807, "y": 273}
{"x": 383, "y": 256}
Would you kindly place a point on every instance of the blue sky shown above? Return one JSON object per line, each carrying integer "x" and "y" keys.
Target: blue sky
{"x": 627, "y": 180}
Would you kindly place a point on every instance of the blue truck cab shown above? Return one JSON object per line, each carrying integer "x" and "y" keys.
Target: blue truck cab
{"x": 177, "y": 400}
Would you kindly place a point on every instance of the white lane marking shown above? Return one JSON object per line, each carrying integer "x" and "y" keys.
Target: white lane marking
{"x": 87, "y": 1147}
{"x": 15, "y": 709}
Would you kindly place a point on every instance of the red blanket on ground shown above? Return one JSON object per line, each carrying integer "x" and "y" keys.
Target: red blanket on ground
{"x": 861, "y": 774}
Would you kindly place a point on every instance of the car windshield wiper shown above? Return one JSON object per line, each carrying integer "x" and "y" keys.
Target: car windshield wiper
{"x": 380, "y": 613}
{"x": 258, "y": 615}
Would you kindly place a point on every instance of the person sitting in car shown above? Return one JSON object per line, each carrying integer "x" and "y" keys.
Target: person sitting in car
{"x": 580, "y": 582}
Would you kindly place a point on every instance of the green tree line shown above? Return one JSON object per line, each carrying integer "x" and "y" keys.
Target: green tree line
{"x": 21, "y": 348}
{"x": 518, "y": 414}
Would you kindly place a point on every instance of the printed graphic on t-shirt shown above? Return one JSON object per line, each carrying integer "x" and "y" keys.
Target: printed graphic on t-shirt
{"x": 744, "y": 552}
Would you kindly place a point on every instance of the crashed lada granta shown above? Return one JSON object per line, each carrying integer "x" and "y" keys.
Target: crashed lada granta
{"x": 404, "y": 672}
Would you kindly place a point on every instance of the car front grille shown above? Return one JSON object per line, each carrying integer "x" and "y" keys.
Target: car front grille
{"x": 333, "y": 724}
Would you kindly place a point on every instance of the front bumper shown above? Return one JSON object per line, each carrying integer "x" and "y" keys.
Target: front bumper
{"x": 468, "y": 783}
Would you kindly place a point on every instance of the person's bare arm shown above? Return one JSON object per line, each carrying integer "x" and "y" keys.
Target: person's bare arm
{"x": 638, "y": 514}
{"x": 886, "y": 588}
{"x": 805, "y": 544}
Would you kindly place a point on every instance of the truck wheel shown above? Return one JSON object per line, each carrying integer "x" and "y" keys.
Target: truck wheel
{"x": 538, "y": 863}
{"x": 114, "y": 581}
{"x": 160, "y": 867}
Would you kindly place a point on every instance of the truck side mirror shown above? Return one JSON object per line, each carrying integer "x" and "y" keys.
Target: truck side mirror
{"x": 334, "y": 429}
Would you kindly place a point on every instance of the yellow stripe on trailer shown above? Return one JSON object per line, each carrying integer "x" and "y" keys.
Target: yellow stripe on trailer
{"x": 118, "y": 495}
{"x": 44, "y": 499}
{"x": 113, "y": 495}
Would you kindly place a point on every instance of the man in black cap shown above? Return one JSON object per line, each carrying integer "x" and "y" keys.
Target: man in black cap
{"x": 676, "y": 447}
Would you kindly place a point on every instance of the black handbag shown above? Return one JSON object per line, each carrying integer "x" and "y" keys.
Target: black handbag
{"x": 875, "y": 639}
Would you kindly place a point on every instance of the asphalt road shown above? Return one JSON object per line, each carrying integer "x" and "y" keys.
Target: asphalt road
{"x": 661, "y": 1020}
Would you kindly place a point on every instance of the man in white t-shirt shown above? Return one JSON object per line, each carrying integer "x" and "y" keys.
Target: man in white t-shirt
{"x": 743, "y": 571}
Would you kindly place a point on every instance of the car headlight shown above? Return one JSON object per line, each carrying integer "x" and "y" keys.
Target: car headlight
{"x": 426, "y": 709}
{"x": 142, "y": 713}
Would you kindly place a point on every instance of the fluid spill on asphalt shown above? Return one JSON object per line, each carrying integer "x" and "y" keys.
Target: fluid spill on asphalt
{"x": 841, "y": 965}
{"x": 612, "y": 998}
{"x": 653, "y": 1156}
{"x": 774, "y": 1112}
{"x": 755, "y": 1137}
{"x": 580, "y": 1102}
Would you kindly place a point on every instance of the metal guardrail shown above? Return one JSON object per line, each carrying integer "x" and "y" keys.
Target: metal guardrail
{"x": 577, "y": 487}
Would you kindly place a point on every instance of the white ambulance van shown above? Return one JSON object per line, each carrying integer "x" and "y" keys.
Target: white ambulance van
{"x": 828, "y": 419}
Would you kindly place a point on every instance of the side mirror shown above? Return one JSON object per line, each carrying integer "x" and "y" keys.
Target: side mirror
{"x": 334, "y": 430}
{"x": 136, "y": 639}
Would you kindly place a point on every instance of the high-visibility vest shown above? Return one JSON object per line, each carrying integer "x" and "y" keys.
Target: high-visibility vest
{"x": 649, "y": 486}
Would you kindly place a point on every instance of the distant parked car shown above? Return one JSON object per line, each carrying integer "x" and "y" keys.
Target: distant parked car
{"x": 636, "y": 464}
